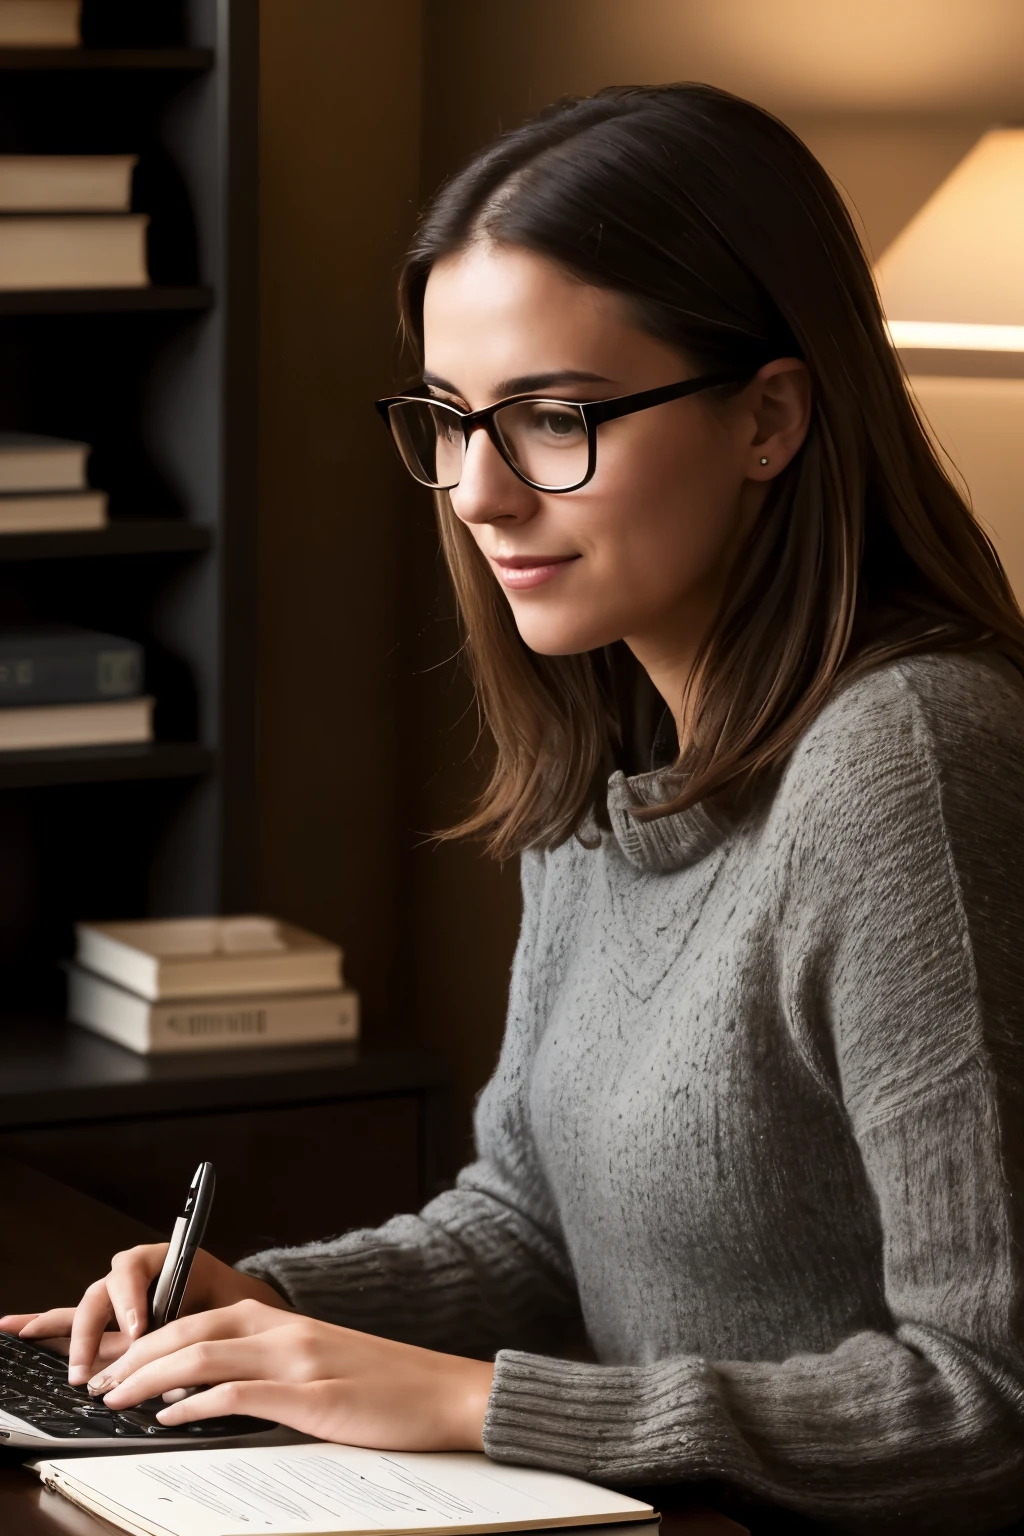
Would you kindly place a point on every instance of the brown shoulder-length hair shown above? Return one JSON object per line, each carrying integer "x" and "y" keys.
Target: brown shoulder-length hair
{"x": 730, "y": 241}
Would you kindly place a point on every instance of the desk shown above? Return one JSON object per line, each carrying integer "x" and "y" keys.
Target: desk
{"x": 53, "y": 1242}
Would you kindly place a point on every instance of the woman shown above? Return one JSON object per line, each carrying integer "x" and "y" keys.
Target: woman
{"x": 752, "y": 674}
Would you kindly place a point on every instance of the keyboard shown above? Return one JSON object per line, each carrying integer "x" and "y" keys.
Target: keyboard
{"x": 34, "y": 1389}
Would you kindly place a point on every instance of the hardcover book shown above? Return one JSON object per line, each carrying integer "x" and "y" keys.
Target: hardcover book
{"x": 62, "y": 664}
{"x": 209, "y": 956}
{"x": 40, "y": 23}
{"x": 39, "y": 251}
{"x": 209, "y": 1023}
{"x": 45, "y": 512}
{"x": 31, "y": 462}
{"x": 117, "y": 722}
{"x": 65, "y": 183}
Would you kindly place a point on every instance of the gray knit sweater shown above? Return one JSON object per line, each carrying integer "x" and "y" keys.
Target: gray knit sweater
{"x": 758, "y": 1120}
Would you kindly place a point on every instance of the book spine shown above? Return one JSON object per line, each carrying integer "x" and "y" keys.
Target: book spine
{"x": 83, "y": 250}
{"x": 110, "y": 722}
{"x": 81, "y": 674}
{"x": 206, "y": 1025}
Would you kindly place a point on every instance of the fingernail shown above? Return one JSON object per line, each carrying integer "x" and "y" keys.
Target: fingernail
{"x": 176, "y": 1395}
{"x": 132, "y": 1319}
{"x": 77, "y": 1374}
{"x": 100, "y": 1384}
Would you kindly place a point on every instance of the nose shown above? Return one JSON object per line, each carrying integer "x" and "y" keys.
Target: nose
{"x": 488, "y": 490}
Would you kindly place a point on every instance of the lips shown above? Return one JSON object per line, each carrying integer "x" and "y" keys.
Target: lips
{"x": 520, "y": 572}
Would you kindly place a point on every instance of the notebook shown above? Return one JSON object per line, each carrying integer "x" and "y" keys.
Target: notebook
{"x": 316, "y": 1488}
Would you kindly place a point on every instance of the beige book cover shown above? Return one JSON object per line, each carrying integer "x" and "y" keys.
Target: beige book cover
{"x": 30, "y": 462}
{"x": 246, "y": 1021}
{"x": 61, "y": 183}
{"x": 40, "y": 23}
{"x": 45, "y": 512}
{"x": 41, "y": 251}
{"x": 209, "y": 956}
{"x": 119, "y": 723}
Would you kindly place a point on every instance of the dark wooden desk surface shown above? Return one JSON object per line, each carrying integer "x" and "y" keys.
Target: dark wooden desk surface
{"x": 53, "y": 1242}
{"x": 56, "y": 1073}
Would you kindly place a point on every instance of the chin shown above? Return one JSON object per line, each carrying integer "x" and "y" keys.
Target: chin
{"x": 570, "y": 638}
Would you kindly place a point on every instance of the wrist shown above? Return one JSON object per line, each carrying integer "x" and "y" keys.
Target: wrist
{"x": 262, "y": 1290}
{"x": 478, "y": 1378}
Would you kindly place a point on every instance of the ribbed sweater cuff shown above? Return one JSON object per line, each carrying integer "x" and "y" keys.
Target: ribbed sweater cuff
{"x": 612, "y": 1423}
{"x": 354, "y": 1284}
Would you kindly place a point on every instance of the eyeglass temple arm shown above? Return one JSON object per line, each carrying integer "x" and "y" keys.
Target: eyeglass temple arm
{"x": 624, "y": 405}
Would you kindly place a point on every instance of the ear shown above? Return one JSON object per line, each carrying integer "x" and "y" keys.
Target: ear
{"x": 779, "y": 401}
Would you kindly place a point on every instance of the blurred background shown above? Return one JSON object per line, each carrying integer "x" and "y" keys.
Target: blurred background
{"x": 271, "y": 563}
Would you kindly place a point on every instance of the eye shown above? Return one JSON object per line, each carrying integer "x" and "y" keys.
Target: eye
{"x": 559, "y": 424}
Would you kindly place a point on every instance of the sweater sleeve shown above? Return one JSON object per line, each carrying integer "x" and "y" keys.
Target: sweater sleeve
{"x": 900, "y": 977}
{"x": 481, "y": 1264}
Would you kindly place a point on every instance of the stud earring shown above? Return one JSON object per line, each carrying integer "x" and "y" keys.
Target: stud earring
{"x": 764, "y": 461}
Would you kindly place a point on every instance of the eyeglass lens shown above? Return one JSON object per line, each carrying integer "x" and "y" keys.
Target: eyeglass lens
{"x": 545, "y": 440}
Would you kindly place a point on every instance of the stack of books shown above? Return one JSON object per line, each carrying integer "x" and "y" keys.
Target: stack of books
{"x": 61, "y": 686}
{"x": 40, "y": 23}
{"x": 64, "y": 223}
{"x": 43, "y": 486}
{"x": 209, "y": 983}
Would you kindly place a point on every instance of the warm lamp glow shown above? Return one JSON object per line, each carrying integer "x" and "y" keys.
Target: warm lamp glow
{"x": 954, "y": 277}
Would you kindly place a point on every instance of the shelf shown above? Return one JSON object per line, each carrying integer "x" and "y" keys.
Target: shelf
{"x": 104, "y": 765}
{"x": 102, "y": 301}
{"x": 136, "y": 536}
{"x": 189, "y": 59}
{"x": 51, "y": 1071}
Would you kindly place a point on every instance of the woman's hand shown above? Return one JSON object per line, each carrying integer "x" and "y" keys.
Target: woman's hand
{"x": 317, "y": 1378}
{"x": 121, "y": 1296}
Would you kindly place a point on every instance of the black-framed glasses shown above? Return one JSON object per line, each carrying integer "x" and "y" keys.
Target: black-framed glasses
{"x": 550, "y": 444}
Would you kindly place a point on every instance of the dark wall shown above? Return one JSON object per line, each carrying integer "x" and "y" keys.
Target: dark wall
{"x": 340, "y": 111}
{"x": 365, "y": 727}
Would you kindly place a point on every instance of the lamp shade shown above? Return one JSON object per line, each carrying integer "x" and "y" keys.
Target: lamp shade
{"x": 954, "y": 277}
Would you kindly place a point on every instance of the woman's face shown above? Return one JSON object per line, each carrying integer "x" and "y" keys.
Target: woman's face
{"x": 642, "y": 552}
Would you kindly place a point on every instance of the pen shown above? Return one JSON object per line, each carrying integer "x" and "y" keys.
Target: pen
{"x": 168, "y": 1290}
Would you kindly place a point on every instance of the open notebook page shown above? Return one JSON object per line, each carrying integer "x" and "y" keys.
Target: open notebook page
{"x": 287, "y": 1490}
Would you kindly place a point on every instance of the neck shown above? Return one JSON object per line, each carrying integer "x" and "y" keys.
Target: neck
{"x": 669, "y": 665}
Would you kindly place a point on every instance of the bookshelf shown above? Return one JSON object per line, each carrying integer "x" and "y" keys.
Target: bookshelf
{"x": 105, "y": 301}
{"x": 162, "y": 59}
{"x": 162, "y": 382}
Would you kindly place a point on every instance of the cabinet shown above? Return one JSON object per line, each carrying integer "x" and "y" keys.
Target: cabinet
{"x": 162, "y": 382}
{"x": 307, "y": 1141}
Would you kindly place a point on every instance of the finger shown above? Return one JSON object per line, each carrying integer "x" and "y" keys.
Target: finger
{"x": 302, "y": 1407}
{"x": 128, "y": 1285}
{"x": 113, "y": 1346}
{"x": 198, "y": 1365}
{"x": 14, "y": 1322}
{"x": 54, "y": 1324}
{"x": 240, "y": 1320}
{"x": 92, "y": 1315}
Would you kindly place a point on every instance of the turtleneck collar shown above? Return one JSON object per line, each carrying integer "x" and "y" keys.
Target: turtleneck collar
{"x": 670, "y": 842}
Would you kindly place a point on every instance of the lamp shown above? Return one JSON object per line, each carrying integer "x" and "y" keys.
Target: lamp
{"x": 954, "y": 277}
{"x": 952, "y": 286}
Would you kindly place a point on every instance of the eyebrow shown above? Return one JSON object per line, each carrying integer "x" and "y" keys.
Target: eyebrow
{"x": 525, "y": 384}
